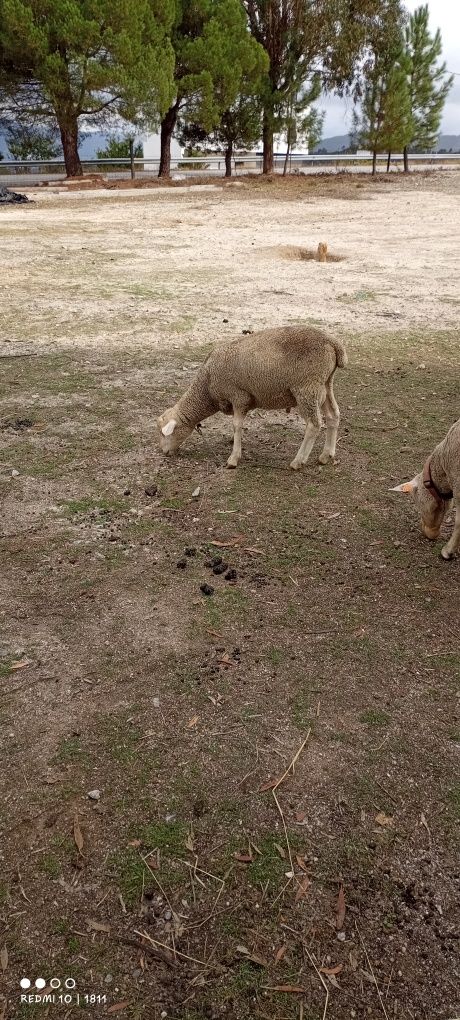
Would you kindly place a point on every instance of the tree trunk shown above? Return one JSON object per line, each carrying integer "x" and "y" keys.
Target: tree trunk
{"x": 69, "y": 139}
{"x": 374, "y": 161}
{"x": 288, "y": 153}
{"x": 228, "y": 158}
{"x": 388, "y": 162}
{"x": 267, "y": 138}
{"x": 167, "y": 127}
{"x": 131, "y": 157}
{"x": 406, "y": 160}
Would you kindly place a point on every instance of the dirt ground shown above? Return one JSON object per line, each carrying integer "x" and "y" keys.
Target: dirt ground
{"x": 189, "y": 885}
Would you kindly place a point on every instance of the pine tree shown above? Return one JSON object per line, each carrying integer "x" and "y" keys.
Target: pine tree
{"x": 428, "y": 85}
{"x": 213, "y": 54}
{"x": 73, "y": 59}
{"x": 299, "y": 36}
{"x": 386, "y": 122}
{"x": 30, "y": 142}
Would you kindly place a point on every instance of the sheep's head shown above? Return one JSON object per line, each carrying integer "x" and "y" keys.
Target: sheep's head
{"x": 431, "y": 510}
{"x": 172, "y": 431}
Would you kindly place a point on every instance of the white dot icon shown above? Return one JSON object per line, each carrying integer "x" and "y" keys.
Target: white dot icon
{"x": 25, "y": 983}
{"x": 40, "y": 983}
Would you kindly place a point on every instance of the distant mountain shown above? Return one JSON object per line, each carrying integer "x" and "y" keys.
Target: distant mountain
{"x": 340, "y": 143}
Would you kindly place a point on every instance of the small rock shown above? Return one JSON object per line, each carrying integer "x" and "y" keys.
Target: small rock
{"x": 108, "y": 979}
{"x": 181, "y": 564}
{"x": 231, "y": 575}
{"x": 247, "y": 332}
{"x": 224, "y": 320}
{"x": 341, "y": 936}
{"x": 127, "y": 492}
{"x": 14, "y": 473}
{"x": 196, "y": 492}
{"x": 167, "y": 915}
{"x": 151, "y": 490}
{"x": 94, "y": 794}
{"x": 170, "y": 818}
{"x": 137, "y": 973}
{"x": 156, "y": 702}
{"x": 207, "y": 589}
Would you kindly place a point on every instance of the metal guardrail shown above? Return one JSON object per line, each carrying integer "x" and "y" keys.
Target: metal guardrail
{"x": 242, "y": 161}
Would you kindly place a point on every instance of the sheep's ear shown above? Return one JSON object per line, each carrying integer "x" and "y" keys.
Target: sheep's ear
{"x": 168, "y": 429}
{"x": 411, "y": 486}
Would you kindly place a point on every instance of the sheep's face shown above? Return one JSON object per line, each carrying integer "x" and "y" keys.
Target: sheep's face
{"x": 172, "y": 432}
{"x": 431, "y": 512}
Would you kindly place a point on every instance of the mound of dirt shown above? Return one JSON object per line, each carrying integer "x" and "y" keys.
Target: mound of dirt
{"x": 294, "y": 253}
{"x": 9, "y": 197}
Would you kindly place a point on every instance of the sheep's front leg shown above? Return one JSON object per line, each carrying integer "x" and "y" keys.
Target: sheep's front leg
{"x": 332, "y": 416}
{"x": 235, "y": 457}
{"x": 451, "y": 547}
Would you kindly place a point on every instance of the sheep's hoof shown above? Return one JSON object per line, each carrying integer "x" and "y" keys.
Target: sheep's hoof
{"x": 327, "y": 458}
{"x": 295, "y": 465}
{"x": 446, "y": 555}
{"x": 232, "y": 463}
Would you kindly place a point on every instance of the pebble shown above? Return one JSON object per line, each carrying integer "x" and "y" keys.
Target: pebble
{"x": 151, "y": 490}
{"x": 196, "y": 492}
{"x": 108, "y": 979}
{"x": 167, "y": 915}
{"x": 156, "y": 702}
{"x": 207, "y": 589}
{"x": 14, "y": 473}
{"x": 341, "y": 936}
{"x": 94, "y": 794}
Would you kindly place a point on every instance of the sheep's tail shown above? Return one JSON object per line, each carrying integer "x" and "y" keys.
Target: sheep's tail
{"x": 340, "y": 353}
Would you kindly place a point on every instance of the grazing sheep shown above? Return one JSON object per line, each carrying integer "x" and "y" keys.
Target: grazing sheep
{"x": 276, "y": 368}
{"x": 436, "y": 486}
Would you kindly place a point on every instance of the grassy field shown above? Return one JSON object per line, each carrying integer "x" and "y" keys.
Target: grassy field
{"x": 193, "y": 887}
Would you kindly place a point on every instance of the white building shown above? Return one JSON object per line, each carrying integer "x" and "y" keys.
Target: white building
{"x": 152, "y": 148}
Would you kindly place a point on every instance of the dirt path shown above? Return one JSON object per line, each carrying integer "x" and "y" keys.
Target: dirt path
{"x": 337, "y": 634}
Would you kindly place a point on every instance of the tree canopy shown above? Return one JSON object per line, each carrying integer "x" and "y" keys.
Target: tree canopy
{"x": 70, "y": 59}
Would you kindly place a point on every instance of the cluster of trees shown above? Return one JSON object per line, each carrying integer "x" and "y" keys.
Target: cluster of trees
{"x": 218, "y": 72}
{"x": 405, "y": 87}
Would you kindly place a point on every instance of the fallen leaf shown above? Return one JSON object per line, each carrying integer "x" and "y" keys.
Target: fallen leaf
{"x": 20, "y": 664}
{"x": 294, "y": 989}
{"x": 301, "y": 862}
{"x": 78, "y": 837}
{"x": 302, "y": 888}
{"x": 353, "y": 958}
{"x": 331, "y": 970}
{"x": 192, "y": 722}
{"x": 4, "y": 958}
{"x": 280, "y": 850}
{"x": 214, "y": 633}
{"x": 135, "y": 843}
{"x": 333, "y": 980}
{"x": 189, "y": 843}
{"x": 280, "y": 953}
{"x": 243, "y": 858}
{"x": 97, "y": 925}
{"x": 230, "y": 544}
{"x": 243, "y": 949}
{"x": 253, "y": 957}
{"x": 118, "y": 1006}
{"x": 383, "y": 819}
{"x": 340, "y": 917}
{"x": 368, "y": 977}
{"x": 226, "y": 660}
{"x": 269, "y": 786}
{"x": 300, "y": 815}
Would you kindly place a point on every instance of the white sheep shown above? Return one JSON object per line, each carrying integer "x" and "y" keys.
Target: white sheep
{"x": 292, "y": 366}
{"x": 435, "y": 488}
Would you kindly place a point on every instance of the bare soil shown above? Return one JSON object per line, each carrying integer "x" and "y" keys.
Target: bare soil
{"x": 191, "y": 888}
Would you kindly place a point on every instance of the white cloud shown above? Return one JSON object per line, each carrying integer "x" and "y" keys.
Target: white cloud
{"x": 444, "y": 14}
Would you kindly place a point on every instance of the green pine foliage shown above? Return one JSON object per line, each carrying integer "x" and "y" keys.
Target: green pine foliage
{"x": 88, "y": 59}
{"x": 119, "y": 148}
{"x": 427, "y": 81}
{"x": 30, "y": 142}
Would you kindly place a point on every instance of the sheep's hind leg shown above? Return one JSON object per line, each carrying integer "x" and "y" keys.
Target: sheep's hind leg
{"x": 238, "y": 420}
{"x": 309, "y": 409}
{"x": 332, "y": 416}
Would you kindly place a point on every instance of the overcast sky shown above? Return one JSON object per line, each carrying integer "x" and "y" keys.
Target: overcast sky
{"x": 444, "y": 14}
